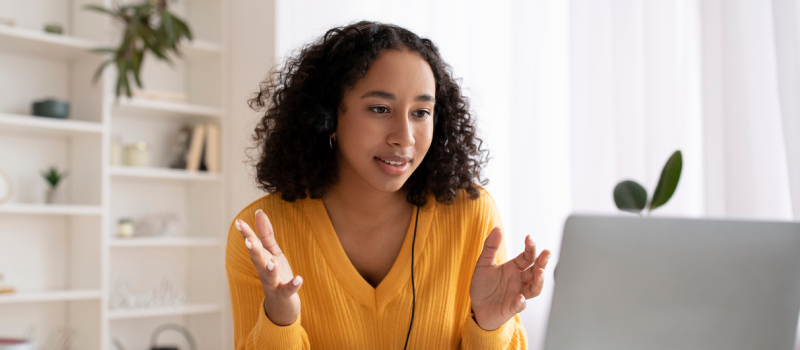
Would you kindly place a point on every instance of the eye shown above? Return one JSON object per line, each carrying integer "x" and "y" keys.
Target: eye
{"x": 424, "y": 113}
{"x": 379, "y": 107}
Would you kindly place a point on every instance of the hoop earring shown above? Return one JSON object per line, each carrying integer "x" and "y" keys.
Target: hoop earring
{"x": 330, "y": 141}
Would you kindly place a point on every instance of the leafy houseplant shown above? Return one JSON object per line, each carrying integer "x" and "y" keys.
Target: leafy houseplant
{"x": 149, "y": 26}
{"x": 53, "y": 178}
{"x": 632, "y": 197}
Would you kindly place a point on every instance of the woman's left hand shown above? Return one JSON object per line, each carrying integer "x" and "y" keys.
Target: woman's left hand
{"x": 498, "y": 292}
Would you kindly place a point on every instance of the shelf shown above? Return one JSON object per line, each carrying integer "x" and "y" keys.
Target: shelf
{"x": 200, "y": 49}
{"x": 36, "y": 297}
{"x": 50, "y": 209}
{"x": 165, "y": 311}
{"x": 50, "y": 126}
{"x": 162, "y": 173}
{"x": 73, "y": 242}
{"x": 165, "y": 242}
{"x": 155, "y": 108}
{"x": 29, "y": 41}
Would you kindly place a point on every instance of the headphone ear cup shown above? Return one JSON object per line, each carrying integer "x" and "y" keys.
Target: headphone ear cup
{"x": 322, "y": 121}
{"x": 332, "y": 121}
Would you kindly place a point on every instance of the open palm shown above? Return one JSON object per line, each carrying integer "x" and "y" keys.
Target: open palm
{"x": 498, "y": 292}
{"x": 281, "y": 301}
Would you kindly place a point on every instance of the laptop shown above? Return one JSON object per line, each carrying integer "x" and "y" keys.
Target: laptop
{"x": 665, "y": 283}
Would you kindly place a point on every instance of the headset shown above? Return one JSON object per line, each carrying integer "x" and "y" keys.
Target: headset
{"x": 413, "y": 288}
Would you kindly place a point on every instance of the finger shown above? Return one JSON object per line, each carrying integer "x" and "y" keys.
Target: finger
{"x": 286, "y": 290}
{"x": 490, "y": 247}
{"x": 525, "y": 259}
{"x": 271, "y": 276}
{"x": 541, "y": 262}
{"x": 266, "y": 234}
{"x": 543, "y": 258}
{"x": 258, "y": 254}
{"x": 252, "y": 242}
{"x": 533, "y": 289}
{"x": 530, "y": 275}
{"x": 520, "y": 303}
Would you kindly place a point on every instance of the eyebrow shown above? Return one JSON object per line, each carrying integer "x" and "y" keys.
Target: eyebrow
{"x": 390, "y": 96}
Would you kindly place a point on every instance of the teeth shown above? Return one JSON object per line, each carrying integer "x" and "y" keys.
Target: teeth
{"x": 392, "y": 163}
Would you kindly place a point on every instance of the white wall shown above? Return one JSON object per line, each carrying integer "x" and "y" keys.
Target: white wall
{"x": 251, "y": 55}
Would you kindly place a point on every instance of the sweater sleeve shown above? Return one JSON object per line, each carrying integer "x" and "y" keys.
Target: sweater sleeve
{"x": 251, "y": 327}
{"x": 511, "y": 335}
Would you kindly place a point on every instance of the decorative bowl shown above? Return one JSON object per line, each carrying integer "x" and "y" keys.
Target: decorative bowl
{"x": 51, "y": 108}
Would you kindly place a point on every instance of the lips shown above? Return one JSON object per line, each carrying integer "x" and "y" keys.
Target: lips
{"x": 394, "y": 158}
{"x": 393, "y": 162}
{"x": 393, "y": 165}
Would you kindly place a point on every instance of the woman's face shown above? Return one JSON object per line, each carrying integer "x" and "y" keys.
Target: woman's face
{"x": 388, "y": 118}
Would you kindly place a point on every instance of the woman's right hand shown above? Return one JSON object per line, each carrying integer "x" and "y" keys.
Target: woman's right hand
{"x": 281, "y": 302}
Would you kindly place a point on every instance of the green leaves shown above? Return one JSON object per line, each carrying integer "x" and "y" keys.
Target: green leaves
{"x": 148, "y": 27}
{"x": 668, "y": 181}
{"x": 53, "y": 177}
{"x": 632, "y": 197}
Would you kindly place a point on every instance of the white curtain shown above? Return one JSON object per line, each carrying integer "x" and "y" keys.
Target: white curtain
{"x": 575, "y": 96}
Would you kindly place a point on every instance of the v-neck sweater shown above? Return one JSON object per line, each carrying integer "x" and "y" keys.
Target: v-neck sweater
{"x": 341, "y": 310}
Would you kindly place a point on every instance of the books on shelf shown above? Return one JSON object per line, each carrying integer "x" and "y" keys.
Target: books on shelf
{"x": 193, "y": 157}
{"x": 212, "y": 150}
{"x": 199, "y": 148}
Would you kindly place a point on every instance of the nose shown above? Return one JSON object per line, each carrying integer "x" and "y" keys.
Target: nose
{"x": 402, "y": 133}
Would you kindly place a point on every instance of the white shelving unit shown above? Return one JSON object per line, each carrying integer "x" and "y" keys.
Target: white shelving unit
{"x": 65, "y": 259}
{"x": 41, "y": 297}
{"x": 161, "y": 173}
{"x": 199, "y": 309}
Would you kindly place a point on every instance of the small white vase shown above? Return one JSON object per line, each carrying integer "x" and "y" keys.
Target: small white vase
{"x": 51, "y": 196}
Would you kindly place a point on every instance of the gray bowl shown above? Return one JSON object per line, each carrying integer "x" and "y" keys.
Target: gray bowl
{"x": 51, "y": 108}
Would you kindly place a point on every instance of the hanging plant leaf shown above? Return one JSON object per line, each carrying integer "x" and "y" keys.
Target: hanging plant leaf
{"x": 168, "y": 31}
{"x": 99, "y": 70}
{"x": 121, "y": 75}
{"x": 630, "y": 196}
{"x": 136, "y": 66}
{"x": 184, "y": 29}
{"x": 670, "y": 176}
{"x": 149, "y": 26}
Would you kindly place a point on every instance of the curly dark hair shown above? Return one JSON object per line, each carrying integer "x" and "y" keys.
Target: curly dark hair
{"x": 294, "y": 159}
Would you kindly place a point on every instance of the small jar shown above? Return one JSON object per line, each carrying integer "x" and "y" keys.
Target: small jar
{"x": 125, "y": 228}
{"x": 137, "y": 154}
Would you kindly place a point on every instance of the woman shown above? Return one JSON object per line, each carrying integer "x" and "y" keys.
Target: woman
{"x": 369, "y": 152}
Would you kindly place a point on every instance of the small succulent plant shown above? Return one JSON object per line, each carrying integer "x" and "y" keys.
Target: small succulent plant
{"x": 632, "y": 197}
{"x": 53, "y": 177}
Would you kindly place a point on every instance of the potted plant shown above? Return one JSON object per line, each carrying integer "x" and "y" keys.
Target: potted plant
{"x": 632, "y": 197}
{"x": 53, "y": 178}
{"x": 149, "y": 26}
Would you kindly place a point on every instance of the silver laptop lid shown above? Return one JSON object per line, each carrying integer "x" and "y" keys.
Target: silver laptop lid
{"x": 657, "y": 283}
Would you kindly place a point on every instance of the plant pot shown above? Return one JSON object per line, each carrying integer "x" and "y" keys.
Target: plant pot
{"x": 50, "y": 108}
{"x": 52, "y": 195}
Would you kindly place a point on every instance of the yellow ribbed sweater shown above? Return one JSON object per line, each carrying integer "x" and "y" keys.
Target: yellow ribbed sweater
{"x": 341, "y": 310}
